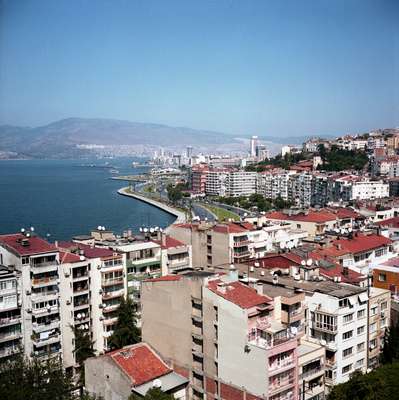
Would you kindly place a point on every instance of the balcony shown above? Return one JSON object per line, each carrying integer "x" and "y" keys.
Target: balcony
{"x": 54, "y": 324}
{"x": 241, "y": 243}
{"x": 47, "y": 266}
{"x": 110, "y": 308}
{"x": 110, "y": 321}
{"x": 10, "y": 321}
{"x": 241, "y": 254}
{"x": 47, "y": 281}
{"x": 113, "y": 294}
{"x": 329, "y": 328}
{"x": 292, "y": 315}
{"x": 5, "y": 337}
{"x": 111, "y": 282}
{"x": 9, "y": 351}
{"x": 279, "y": 366}
{"x": 40, "y": 312}
{"x": 44, "y": 341}
{"x": 80, "y": 276}
{"x": 281, "y": 385}
{"x": 82, "y": 304}
{"x": 144, "y": 262}
{"x": 312, "y": 372}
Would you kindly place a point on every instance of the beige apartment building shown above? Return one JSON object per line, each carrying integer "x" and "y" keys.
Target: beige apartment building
{"x": 226, "y": 337}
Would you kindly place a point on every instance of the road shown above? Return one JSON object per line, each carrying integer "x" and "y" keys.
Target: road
{"x": 202, "y": 212}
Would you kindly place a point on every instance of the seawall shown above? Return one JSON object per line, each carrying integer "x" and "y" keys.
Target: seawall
{"x": 180, "y": 216}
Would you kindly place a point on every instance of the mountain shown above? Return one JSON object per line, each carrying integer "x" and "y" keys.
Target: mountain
{"x": 60, "y": 139}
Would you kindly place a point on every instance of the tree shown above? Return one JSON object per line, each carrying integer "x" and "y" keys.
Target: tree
{"x": 174, "y": 193}
{"x": 32, "y": 379}
{"x": 380, "y": 384}
{"x": 153, "y": 394}
{"x": 126, "y": 331}
{"x": 390, "y": 351}
{"x": 83, "y": 350}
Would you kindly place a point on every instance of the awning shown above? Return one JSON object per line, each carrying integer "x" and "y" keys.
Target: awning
{"x": 166, "y": 383}
{"x": 363, "y": 297}
{"x": 351, "y": 301}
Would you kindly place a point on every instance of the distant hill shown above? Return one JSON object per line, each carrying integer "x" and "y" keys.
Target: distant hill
{"x": 60, "y": 138}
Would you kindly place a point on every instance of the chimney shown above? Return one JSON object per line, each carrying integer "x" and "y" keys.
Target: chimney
{"x": 56, "y": 243}
{"x": 163, "y": 239}
{"x": 259, "y": 288}
{"x": 345, "y": 271}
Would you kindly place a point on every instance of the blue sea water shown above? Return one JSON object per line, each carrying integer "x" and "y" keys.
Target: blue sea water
{"x": 63, "y": 198}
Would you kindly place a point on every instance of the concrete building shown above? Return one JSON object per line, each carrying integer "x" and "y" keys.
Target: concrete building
{"x": 252, "y": 146}
{"x": 311, "y": 369}
{"x": 10, "y": 312}
{"x": 274, "y": 184}
{"x": 379, "y": 316}
{"x": 241, "y": 183}
{"x": 198, "y": 175}
{"x": 300, "y": 189}
{"x": 218, "y": 326}
{"x": 132, "y": 369}
{"x": 36, "y": 262}
{"x": 386, "y": 276}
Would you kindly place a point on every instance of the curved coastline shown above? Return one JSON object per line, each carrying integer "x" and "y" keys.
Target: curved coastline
{"x": 180, "y": 216}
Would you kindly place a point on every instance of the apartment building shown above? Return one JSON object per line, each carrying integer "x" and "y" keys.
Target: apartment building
{"x": 360, "y": 252}
{"x": 311, "y": 369}
{"x": 386, "y": 276}
{"x": 10, "y": 312}
{"x": 107, "y": 286}
{"x": 75, "y": 302}
{"x": 274, "y": 184}
{"x": 353, "y": 187}
{"x": 198, "y": 177}
{"x": 218, "y": 326}
{"x": 379, "y": 316}
{"x": 314, "y": 222}
{"x": 300, "y": 189}
{"x": 176, "y": 256}
{"x": 240, "y": 183}
{"x": 37, "y": 265}
{"x": 217, "y": 182}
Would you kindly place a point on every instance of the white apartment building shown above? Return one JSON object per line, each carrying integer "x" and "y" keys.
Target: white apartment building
{"x": 300, "y": 189}
{"x": 107, "y": 286}
{"x": 337, "y": 320}
{"x": 10, "y": 312}
{"x": 350, "y": 143}
{"x": 37, "y": 264}
{"x": 241, "y": 183}
{"x": 216, "y": 182}
{"x": 353, "y": 187}
{"x": 274, "y": 184}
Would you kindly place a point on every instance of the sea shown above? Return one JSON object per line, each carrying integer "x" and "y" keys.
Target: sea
{"x": 64, "y": 198}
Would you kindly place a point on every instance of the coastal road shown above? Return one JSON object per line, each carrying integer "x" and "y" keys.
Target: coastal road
{"x": 202, "y": 212}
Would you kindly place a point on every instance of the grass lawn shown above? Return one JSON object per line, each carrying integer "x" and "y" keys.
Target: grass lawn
{"x": 221, "y": 213}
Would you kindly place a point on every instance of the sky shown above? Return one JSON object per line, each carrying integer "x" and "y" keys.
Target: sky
{"x": 269, "y": 68}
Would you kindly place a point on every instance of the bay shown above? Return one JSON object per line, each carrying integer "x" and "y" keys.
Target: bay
{"x": 63, "y": 198}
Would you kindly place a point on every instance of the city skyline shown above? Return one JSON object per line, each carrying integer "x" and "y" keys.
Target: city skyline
{"x": 264, "y": 68}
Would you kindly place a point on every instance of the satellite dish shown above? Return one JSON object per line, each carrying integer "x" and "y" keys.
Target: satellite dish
{"x": 157, "y": 383}
{"x": 309, "y": 262}
{"x": 336, "y": 230}
{"x": 32, "y": 229}
{"x": 303, "y": 262}
{"x": 151, "y": 230}
{"x": 141, "y": 229}
{"x": 282, "y": 245}
{"x": 294, "y": 330}
{"x": 81, "y": 258}
{"x": 262, "y": 273}
{"x": 256, "y": 264}
{"x": 22, "y": 230}
{"x": 145, "y": 230}
{"x": 99, "y": 227}
{"x": 79, "y": 316}
{"x": 28, "y": 234}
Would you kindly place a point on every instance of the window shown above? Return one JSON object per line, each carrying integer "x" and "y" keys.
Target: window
{"x": 25, "y": 260}
{"x": 343, "y": 303}
{"x": 298, "y": 226}
{"x": 361, "y": 313}
{"x": 347, "y": 352}
{"x": 373, "y": 344}
{"x": 359, "y": 363}
{"x": 347, "y": 335}
{"x": 384, "y": 306}
{"x": 361, "y": 330}
{"x": 382, "y": 277}
{"x": 348, "y": 318}
{"x": 347, "y": 368}
{"x": 380, "y": 252}
{"x": 374, "y": 310}
{"x": 383, "y": 322}
{"x": 360, "y": 347}
{"x": 373, "y": 327}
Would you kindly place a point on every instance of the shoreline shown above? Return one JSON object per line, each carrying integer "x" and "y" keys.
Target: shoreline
{"x": 180, "y": 216}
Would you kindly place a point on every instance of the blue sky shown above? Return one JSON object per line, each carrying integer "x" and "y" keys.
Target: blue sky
{"x": 273, "y": 68}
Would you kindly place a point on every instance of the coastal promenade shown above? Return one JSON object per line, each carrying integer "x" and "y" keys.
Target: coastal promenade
{"x": 180, "y": 216}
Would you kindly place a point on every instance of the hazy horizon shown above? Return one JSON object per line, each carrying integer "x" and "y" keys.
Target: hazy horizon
{"x": 266, "y": 68}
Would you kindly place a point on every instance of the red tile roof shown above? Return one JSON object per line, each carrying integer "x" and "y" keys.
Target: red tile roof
{"x": 37, "y": 245}
{"x": 166, "y": 278}
{"x": 337, "y": 270}
{"x": 140, "y": 363}
{"x": 89, "y": 252}
{"x": 271, "y": 261}
{"x": 170, "y": 243}
{"x": 69, "y": 258}
{"x": 361, "y": 243}
{"x": 233, "y": 228}
{"x": 238, "y": 293}
{"x": 312, "y": 216}
{"x": 391, "y": 223}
